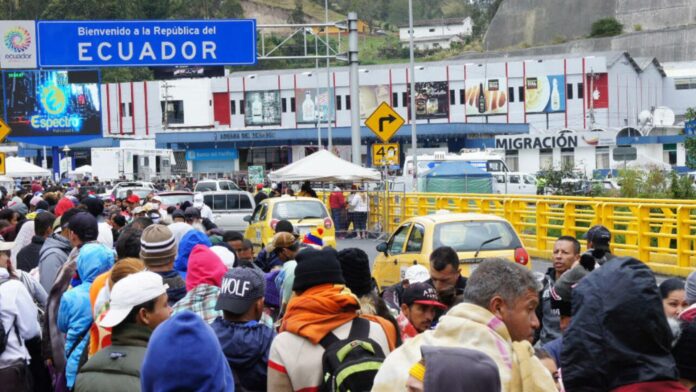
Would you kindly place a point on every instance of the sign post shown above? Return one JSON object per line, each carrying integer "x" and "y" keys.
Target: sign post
{"x": 384, "y": 122}
{"x": 386, "y": 154}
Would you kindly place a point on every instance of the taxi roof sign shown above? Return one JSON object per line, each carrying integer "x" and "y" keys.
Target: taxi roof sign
{"x": 384, "y": 122}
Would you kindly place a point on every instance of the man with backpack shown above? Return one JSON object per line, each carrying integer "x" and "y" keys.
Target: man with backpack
{"x": 18, "y": 323}
{"x": 320, "y": 321}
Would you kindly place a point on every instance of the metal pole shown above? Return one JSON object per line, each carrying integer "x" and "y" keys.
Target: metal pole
{"x": 414, "y": 142}
{"x": 316, "y": 88}
{"x": 354, "y": 87}
{"x": 328, "y": 79}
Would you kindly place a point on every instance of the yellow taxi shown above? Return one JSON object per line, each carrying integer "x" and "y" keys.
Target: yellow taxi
{"x": 305, "y": 214}
{"x": 474, "y": 237}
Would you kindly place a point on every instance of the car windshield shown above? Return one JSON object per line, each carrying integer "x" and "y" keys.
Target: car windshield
{"x": 299, "y": 209}
{"x": 468, "y": 236}
{"x": 141, "y": 192}
{"x": 205, "y": 187}
{"x": 174, "y": 200}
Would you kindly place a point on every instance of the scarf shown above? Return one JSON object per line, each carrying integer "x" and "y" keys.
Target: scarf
{"x": 407, "y": 329}
{"x": 319, "y": 310}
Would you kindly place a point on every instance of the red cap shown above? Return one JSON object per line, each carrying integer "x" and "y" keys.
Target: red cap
{"x": 135, "y": 199}
{"x": 259, "y": 186}
{"x": 421, "y": 293}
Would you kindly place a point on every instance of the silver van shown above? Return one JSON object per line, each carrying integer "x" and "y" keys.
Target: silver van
{"x": 230, "y": 208}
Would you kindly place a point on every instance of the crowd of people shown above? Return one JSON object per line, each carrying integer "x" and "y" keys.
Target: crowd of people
{"x": 105, "y": 295}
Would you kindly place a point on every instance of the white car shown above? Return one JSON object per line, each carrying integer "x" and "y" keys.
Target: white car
{"x": 133, "y": 184}
{"x": 215, "y": 185}
{"x": 230, "y": 208}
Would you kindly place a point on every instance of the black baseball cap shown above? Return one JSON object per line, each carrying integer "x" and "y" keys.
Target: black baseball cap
{"x": 85, "y": 226}
{"x": 240, "y": 288}
{"x": 598, "y": 234}
{"x": 421, "y": 293}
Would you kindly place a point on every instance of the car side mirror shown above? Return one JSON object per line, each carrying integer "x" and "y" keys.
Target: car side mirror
{"x": 382, "y": 247}
{"x": 247, "y": 218}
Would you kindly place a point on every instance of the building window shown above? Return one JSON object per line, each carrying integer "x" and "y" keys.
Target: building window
{"x": 284, "y": 105}
{"x": 520, "y": 93}
{"x": 669, "y": 153}
{"x": 241, "y": 106}
{"x": 404, "y": 99}
{"x": 174, "y": 111}
{"x": 292, "y": 105}
{"x": 453, "y": 100}
{"x": 569, "y": 90}
{"x": 512, "y": 160}
{"x": 462, "y": 96}
{"x": 602, "y": 157}
{"x": 684, "y": 83}
{"x": 233, "y": 107}
{"x": 546, "y": 159}
{"x": 581, "y": 91}
{"x": 126, "y": 109}
{"x": 347, "y": 102}
{"x": 567, "y": 157}
{"x": 511, "y": 94}
{"x": 338, "y": 102}
{"x": 431, "y": 30}
{"x": 395, "y": 99}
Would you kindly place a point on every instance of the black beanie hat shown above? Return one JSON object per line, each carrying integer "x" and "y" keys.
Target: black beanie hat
{"x": 315, "y": 267}
{"x": 356, "y": 270}
{"x": 683, "y": 351}
{"x": 94, "y": 206}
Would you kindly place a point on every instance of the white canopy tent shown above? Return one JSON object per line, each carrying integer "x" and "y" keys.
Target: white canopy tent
{"x": 643, "y": 162}
{"x": 83, "y": 170}
{"x": 18, "y": 167}
{"x": 323, "y": 166}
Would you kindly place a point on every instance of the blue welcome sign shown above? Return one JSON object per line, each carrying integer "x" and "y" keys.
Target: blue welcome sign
{"x": 68, "y": 44}
{"x": 211, "y": 154}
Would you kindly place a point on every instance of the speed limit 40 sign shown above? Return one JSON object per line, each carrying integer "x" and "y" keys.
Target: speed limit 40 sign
{"x": 385, "y": 154}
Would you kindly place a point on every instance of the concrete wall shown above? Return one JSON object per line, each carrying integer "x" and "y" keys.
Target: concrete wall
{"x": 668, "y": 27}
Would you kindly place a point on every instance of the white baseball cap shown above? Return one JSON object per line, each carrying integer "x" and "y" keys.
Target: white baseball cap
{"x": 228, "y": 258}
{"x": 130, "y": 292}
{"x": 6, "y": 245}
{"x": 417, "y": 274}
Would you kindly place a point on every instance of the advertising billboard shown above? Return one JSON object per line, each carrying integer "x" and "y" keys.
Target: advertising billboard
{"x": 371, "y": 97}
{"x": 146, "y": 43}
{"x": 486, "y": 97}
{"x": 545, "y": 93}
{"x": 18, "y": 46}
{"x": 313, "y": 107}
{"x": 432, "y": 100}
{"x": 262, "y": 108}
{"x": 52, "y": 103}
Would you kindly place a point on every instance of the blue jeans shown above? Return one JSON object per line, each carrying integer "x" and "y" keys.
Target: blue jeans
{"x": 337, "y": 216}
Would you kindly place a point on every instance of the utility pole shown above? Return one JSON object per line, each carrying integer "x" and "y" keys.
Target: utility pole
{"x": 592, "y": 116}
{"x": 328, "y": 78}
{"x": 354, "y": 87}
{"x": 166, "y": 86}
{"x": 412, "y": 66}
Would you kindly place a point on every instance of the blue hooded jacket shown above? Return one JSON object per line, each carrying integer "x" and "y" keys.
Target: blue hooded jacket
{"x": 188, "y": 241}
{"x": 246, "y": 347}
{"x": 75, "y": 311}
{"x": 184, "y": 355}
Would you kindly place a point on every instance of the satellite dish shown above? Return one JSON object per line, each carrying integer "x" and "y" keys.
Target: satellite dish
{"x": 663, "y": 117}
{"x": 645, "y": 118}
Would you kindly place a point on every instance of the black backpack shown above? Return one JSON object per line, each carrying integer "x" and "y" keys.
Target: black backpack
{"x": 351, "y": 364}
{"x": 5, "y": 335}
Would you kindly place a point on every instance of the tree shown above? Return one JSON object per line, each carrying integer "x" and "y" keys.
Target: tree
{"x": 606, "y": 27}
{"x": 297, "y": 16}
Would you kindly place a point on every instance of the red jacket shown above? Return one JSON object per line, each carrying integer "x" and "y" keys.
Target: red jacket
{"x": 336, "y": 200}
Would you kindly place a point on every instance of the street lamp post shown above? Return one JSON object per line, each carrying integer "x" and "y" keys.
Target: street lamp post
{"x": 414, "y": 142}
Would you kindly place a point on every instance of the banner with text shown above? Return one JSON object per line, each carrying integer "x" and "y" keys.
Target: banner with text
{"x": 146, "y": 43}
{"x": 18, "y": 48}
{"x": 486, "y": 97}
{"x": 262, "y": 108}
{"x": 432, "y": 100}
{"x": 315, "y": 107}
{"x": 371, "y": 97}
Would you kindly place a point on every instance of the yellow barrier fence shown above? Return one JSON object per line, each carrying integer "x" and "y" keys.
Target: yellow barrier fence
{"x": 661, "y": 233}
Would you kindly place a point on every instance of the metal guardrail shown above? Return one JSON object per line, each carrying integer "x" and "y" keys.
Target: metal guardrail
{"x": 661, "y": 233}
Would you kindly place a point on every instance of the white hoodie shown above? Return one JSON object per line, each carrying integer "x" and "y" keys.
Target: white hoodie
{"x": 17, "y": 313}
